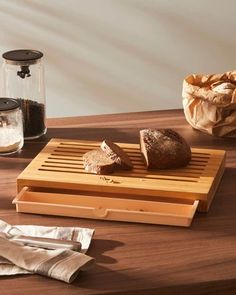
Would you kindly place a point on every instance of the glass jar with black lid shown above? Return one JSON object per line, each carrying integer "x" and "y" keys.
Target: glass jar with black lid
{"x": 11, "y": 127}
{"x": 23, "y": 80}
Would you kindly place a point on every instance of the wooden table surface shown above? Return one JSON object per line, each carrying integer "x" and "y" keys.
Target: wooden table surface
{"x": 136, "y": 258}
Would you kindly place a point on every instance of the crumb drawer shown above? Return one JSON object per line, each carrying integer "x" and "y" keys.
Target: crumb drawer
{"x": 105, "y": 208}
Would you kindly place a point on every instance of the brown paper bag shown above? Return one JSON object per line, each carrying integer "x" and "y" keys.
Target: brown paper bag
{"x": 209, "y": 103}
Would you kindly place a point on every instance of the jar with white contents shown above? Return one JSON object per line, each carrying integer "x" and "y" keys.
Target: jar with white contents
{"x": 11, "y": 126}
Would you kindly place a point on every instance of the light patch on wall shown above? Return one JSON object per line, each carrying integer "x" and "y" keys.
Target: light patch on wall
{"x": 112, "y": 56}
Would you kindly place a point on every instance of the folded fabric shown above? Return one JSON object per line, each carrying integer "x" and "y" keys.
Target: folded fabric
{"x": 59, "y": 264}
{"x": 79, "y": 234}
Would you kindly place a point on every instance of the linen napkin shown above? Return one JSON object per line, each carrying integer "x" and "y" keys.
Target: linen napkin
{"x": 60, "y": 264}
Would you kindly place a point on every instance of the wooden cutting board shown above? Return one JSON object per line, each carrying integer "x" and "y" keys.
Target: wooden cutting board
{"x": 57, "y": 181}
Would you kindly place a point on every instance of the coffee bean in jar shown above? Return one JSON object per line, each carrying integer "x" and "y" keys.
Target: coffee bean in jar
{"x": 33, "y": 117}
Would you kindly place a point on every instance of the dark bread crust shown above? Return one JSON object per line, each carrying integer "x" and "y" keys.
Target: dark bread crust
{"x": 164, "y": 149}
{"x": 117, "y": 154}
{"x": 96, "y": 161}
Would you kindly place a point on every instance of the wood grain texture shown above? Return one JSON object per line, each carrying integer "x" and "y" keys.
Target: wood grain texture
{"x": 136, "y": 258}
{"x": 60, "y": 165}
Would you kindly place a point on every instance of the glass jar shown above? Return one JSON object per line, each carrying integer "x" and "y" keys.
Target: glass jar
{"x": 23, "y": 80}
{"x": 11, "y": 127}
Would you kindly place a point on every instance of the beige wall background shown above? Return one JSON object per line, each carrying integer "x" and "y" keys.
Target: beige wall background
{"x": 112, "y": 56}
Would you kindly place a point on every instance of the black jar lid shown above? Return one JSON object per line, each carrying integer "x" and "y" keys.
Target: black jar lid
{"x": 8, "y": 104}
{"x": 22, "y": 56}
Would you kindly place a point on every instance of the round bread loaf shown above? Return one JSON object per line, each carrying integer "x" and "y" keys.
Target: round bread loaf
{"x": 117, "y": 154}
{"x": 96, "y": 161}
{"x": 164, "y": 149}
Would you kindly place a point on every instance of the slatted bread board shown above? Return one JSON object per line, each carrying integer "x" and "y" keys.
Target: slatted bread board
{"x": 56, "y": 183}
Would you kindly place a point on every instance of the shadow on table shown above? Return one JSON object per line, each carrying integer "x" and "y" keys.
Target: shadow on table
{"x": 102, "y": 279}
{"x": 221, "y": 215}
{"x": 99, "y": 247}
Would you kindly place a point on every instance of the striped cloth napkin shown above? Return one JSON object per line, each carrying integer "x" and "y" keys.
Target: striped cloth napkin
{"x": 59, "y": 264}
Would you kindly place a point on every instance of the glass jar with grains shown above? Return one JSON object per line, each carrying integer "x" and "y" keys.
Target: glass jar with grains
{"x": 23, "y": 80}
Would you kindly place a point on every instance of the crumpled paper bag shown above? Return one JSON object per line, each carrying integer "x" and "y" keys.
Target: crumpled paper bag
{"x": 209, "y": 103}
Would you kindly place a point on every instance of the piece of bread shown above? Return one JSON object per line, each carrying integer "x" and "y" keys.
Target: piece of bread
{"x": 96, "y": 161}
{"x": 164, "y": 149}
{"x": 117, "y": 154}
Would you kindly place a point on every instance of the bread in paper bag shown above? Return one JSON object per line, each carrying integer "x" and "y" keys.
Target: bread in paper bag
{"x": 209, "y": 103}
